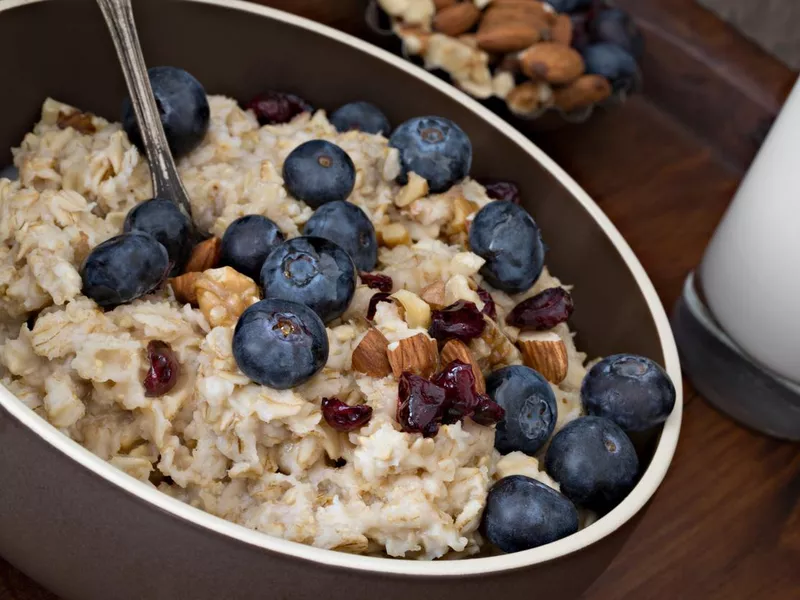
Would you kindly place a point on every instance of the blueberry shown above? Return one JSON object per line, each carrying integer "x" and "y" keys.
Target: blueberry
{"x": 594, "y": 462}
{"x": 633, "y": 391}
{"x": 361, "y": 116}
{"x": 168, "y": 225}
{"x": 182, "y": 106}
{"x": 280, "y": 344}
{"x": 434, "y": 148}
{"x": 522, "y": 513}
{"x": 568, "y": 6}
{"x": 613, "y": 63}
{"x": 530, "y": 406}
{"x": 615, "y": 26}
{"x": 317, "y": 172}
{"x": 124, "y": 268}
{"x": 347, "y": 225}
{"x": 509, "y": 240}
{"x": 312, "y": 271}
{"x": 247, "y": 242}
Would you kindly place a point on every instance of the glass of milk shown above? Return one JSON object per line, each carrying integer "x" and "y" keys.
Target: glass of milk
{"x": 746, "y": 292}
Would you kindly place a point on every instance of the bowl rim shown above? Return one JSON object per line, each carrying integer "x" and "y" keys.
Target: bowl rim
{"x": 634, "y": 502}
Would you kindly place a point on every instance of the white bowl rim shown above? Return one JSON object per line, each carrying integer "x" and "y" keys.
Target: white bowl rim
{"x": 444, "y": 568}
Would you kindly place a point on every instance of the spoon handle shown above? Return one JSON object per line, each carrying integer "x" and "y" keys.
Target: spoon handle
{"x": 166, "y": 181}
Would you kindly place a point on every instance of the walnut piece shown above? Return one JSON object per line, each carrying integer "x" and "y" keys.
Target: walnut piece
{"x": 224, "y": 294}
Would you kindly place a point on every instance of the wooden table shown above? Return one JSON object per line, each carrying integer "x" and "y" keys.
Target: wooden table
{"x": 725, "y": 525}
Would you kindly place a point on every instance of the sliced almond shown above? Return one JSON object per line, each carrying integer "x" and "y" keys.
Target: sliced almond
{"x": 456, "y": 19}
{"x": 545, "y": 352}
{"x": 184, "y": 288}
{"x": 418, "y": 354}
{"x": 205, "y": 255}
{"x": 416, "y": 188}
{"x": 457, "y": 350}
{"x": 417, "y": 311}
{"x": 434, "y": 295}
{"x": 370, "y": 356}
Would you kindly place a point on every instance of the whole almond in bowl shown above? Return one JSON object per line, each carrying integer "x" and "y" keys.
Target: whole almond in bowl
{"x": 551, "y": 62}
{"x": 456, "y": 19}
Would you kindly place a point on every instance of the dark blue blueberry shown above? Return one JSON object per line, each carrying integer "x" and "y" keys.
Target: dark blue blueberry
{"x": 568, "y": 6}
{"x": 247, "y": 242}
{"x": 615, "y": 26}
{"x": 164, "y": 221}
{"x": 633, "y": 391}
{"x": 318, "y": 172}
{"x": 434, "y": 148}
{"x": 508, "y": 238}
{"x": 313, "y": 271}
{"x": 361, "y": 116}
{"x": 347, "y": 225}
{"x": 522, "y": 513}
{"x": 9, "y": 172}
{"x": 594, "y": 462}
{"x": 280, "y": 344}
{"x": 530, "y": 407}
{"x": 182, "y": 106}
{"x": 613, "y": 63}
{"x": 124, "y": 268}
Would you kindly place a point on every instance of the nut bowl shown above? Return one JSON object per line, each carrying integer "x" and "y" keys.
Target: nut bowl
{"x": 86, "y": 530}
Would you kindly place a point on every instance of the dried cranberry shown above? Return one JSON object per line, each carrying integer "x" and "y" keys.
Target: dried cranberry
{"x": 278, "y": 107}
{"x": 461, "y": 320}
{"x": 542, "y": 311}
{"x": 373, "y": 303}
{"x": 458, "y": 382}
{"x": 502, "y": 190}
{"x": 489, "y": 308}
{"x": 420, "y": 405}
{"x": 377, "y": 281}
{"x": 487, "y": 412}
{"x": 164, "y": 369}
{"x": 342, "y": 417}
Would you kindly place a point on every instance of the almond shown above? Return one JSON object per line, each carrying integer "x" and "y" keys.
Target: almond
{"x": 457, "y": 350}
{"x": 205, "y": 255}
{"x": 507, "y": 38}
{"x": 584, "y": 91}
{"x": 370, "y": 356}
{"x": 183, "y": 286}
{"x": 456, "y": 19}
{"x": 545, "y": 352}
{"x": 434, "y": 295}
{"x": 418, "y": 354}
{"x": 561, "y": 30}
{"x": 417, "y": 311}
{"x": 551, "y": 62}
{"x": 440, "y": 4}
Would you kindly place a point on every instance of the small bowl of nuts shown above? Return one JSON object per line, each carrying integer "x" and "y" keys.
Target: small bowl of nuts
{"x": 527, "y": 59}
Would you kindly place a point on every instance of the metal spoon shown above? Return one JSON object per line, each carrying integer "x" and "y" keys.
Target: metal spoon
{"x": 166, "y": 181}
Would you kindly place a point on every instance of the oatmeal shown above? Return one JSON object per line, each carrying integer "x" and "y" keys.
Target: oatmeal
{"x": 154, "y": 385}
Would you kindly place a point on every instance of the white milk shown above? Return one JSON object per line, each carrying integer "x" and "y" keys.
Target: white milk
{"x": 751, "y": 270}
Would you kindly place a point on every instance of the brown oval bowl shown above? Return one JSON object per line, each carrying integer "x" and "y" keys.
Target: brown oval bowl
{"x": 88, "y": 531}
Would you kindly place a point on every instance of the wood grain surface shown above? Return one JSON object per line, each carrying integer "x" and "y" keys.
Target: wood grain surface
{"x": 725, "y": 525}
